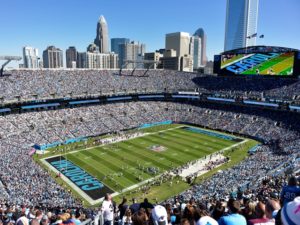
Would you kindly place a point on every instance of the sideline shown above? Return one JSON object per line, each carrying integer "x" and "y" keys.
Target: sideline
{"x": 117, "y": 141}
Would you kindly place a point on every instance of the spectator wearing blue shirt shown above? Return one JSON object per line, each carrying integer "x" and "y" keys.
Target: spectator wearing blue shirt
{"x": 233, "y": 218}
{"x": 290, "y": 191}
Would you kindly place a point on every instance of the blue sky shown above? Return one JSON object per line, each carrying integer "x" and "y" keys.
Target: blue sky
{"x": 64, "y": 23}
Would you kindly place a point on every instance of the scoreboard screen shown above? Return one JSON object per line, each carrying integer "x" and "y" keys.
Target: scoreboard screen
{"x": 264, "y": 63}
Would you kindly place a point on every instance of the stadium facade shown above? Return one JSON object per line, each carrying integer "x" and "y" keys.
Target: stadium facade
{"x": 241, "y": 22}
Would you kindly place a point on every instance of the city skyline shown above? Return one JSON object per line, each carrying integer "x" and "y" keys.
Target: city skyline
{"x": 74, "y": 24}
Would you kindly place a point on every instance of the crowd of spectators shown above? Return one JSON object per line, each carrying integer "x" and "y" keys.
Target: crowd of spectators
{"x": 24, "y": 85}
{"x": 250, "y": 87}
{"x": 25, "y": 215}
{"x": 24, "y": 184}
{"x": 22, "y": 181}
{"x": 48, "y": 84}
{"x": 260, "y": 206}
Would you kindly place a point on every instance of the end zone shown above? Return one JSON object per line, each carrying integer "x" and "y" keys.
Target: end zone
{"x": 83, "y": 183}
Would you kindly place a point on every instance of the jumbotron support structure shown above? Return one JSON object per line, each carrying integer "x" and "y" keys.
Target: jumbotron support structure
{"x": 150, "y": 64}
{"x": 9, "y": 59}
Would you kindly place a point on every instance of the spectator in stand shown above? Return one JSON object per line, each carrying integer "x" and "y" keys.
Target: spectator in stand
{"x": 57, "y": 219}
{"x": 176, "y": 216}
{"x": 122, "y": 207}
{"x": 45, "y": 220}
{"x": 233, "y": 218}
{"x": 218, "y": 211}
{"x": 34, "y": 222}
{"x": 202, "y": 217}
{"x": 159, "y": 215}
{"x": 107, "y": 209}
{"x": 135, "y": 206}
{"x": 146, "y": 204}
{"x": 206, "y": 220}
{"x": 185, "y": 221}
{"x": 22, "y": 220}
{"x": 189, "y": 213}
{"x": 38, "y": 215}
{"x": 290, "y": 191}
{"x": 169, "y": 210}
{"x": 76, "y": 218}
{"x": 249, "y": 210}
{"x": 261, "y": 218}
{"x": 272, "y": 208}
{"x": 140, "y": 218}
{"x": 290, "y": 213}
{"x": 66, "y": 219}
{"x": 127, "y": 218}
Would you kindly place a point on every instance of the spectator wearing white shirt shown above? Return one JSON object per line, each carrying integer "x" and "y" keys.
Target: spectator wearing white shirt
{"x": 107, "y": 209}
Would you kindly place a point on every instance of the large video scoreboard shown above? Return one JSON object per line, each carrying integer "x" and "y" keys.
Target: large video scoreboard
{"x": 283, "y": 64}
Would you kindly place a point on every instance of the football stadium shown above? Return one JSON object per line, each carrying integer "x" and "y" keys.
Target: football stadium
{"x": 201, "y": 136}
{"x": 151, "y": 140}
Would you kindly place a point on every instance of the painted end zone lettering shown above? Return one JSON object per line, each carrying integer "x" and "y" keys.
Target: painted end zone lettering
{"x": 84, "y": 181}
{"x": 213, "y": 134}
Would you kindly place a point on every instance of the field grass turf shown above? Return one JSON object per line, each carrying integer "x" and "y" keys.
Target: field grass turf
{"x": 122, "y": 162}
{"x": 165, "y": 191}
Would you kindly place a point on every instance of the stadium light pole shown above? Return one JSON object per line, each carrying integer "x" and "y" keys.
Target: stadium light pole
{"x": 249, "y": 37}
{"x": 262, "y": 36}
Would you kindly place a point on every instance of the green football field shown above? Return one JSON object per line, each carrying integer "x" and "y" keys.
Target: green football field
{"x": 125, "y": 164}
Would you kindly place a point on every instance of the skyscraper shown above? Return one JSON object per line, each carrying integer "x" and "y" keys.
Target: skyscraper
{"x": 116, "y": 47}
{"x": 93, "y": 59}
{"x": 30, "y": 57}
{"x": 132, "y": 51}
{"x": 115, "y": 44}
{"x": 241, "y": 22}
{"x": 203, "y": 58}
{"x": 197, "y": 53}
{"x": 183, "y": 44}
{"x": 53, "y": 57}
{"x": 101, "y": 39}
{"x": 180, "y": 42}
{"x": 71, "y": 57}
{"x": 97, "y": 60}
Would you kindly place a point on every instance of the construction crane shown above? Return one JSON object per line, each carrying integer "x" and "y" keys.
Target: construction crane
{"x": 9, "y": 59}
